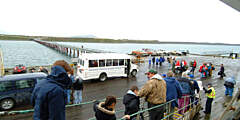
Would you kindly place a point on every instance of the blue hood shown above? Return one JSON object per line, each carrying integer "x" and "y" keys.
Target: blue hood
{"x": 59, "y": 76}
{"x": 231, "y": 80}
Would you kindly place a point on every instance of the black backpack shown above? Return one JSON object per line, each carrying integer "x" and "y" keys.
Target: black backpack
{"x": 78, "y": 84}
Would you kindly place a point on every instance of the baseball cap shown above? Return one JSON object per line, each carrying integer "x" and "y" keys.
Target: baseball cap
{"x": 151, "y": 71}
{"x": 191, "y": 76}
{"x": 210, "y": 84}
{"x": 164, "y": 75}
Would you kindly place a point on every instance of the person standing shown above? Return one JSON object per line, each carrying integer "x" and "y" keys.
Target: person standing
{"x": 153, "y": 60}
{"x": 155, "y": 92}
{"x": 187, "y": 90}
{"x": 229, "y": 85}
{"x": 174, "y": 91}
{"x": 161, "y": 60}
{"x": 195, "y": 94}
{"x": 44, "y": 70}
{"x": 49, "y": 97}
{"x": 78, "y": 89}
{"x": 221, "y": 72}
{"x": 132, "y": 102}
{"x": 69, "y": 90}
{"x": 210, "y": 93}
{"x": 193, "y": 65}
{"x": 211, "y": 68}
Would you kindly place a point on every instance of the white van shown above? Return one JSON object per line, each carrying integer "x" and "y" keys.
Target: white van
{"x": 103, "y": 65}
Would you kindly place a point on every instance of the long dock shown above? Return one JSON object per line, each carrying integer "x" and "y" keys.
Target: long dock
{"x": 69, "y": 50}
{"x": 1, "y": 63}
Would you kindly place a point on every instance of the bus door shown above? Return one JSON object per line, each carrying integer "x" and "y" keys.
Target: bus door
{"x": 128, "y": 64}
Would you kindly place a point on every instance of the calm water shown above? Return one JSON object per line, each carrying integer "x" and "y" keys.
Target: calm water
{"x": 30, "y": 53}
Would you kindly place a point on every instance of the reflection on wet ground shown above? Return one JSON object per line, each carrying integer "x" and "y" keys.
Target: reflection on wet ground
{"x": 95, "y": 90}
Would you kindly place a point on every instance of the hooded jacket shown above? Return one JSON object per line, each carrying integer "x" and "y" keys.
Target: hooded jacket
{"x": 102, "y": 112}
{"x": 49, "y": 98}
{"x": 186, "y": 85}
{"x": 174, "y": 90}
{"x": 131, "y": 102}
{"x": 154, "y": 90}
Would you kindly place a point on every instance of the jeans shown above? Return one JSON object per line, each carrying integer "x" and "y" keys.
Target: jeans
{"x": 77, "y": 96}
{"x": 229, "y": 91}
{"x": 68, "y": 96}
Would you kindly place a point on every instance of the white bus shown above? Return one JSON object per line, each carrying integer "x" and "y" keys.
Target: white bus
{"x": 103, "y": 65}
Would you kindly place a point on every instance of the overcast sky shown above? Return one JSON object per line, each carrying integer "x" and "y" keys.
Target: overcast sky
{"x": 163, "y": 20}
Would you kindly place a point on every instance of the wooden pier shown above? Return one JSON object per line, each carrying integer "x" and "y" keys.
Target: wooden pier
{"x": 69, "y": 50}
{"x": 1, "y": 64}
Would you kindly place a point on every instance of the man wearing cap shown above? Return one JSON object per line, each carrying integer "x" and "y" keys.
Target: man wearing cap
{"x": 154, "y": 92}
{"x": 196, "y": 89}
{"x": 210, "y": 93}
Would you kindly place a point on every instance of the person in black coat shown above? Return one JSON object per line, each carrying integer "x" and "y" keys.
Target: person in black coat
{"x": 132, "y": 102}
{"x": 221, "y": 72}
{"x": 106, "y": 110}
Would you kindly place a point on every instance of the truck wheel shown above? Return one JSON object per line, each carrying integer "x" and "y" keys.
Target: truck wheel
{"x": 7, "y": 104}
{"x": 103, "y": 77}
{"x": 134, "y": 73}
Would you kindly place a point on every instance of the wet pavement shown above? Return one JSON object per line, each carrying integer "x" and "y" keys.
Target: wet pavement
{"x": 95, "y": 90}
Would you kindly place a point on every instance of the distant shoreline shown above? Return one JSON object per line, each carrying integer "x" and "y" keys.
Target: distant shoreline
{"x": 101, "y": 40}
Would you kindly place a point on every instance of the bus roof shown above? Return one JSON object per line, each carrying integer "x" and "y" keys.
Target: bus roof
{"x": 93, "y": 56}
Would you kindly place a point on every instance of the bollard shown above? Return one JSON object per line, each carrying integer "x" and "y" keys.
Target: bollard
{"x": 67, "y": 51}
{"x": 78, "y": 53}
{"x": 74, "y": 53}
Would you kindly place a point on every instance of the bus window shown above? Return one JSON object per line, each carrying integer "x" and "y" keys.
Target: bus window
{"x": 115, "y": 62}
{"x": 101, "y": 63}
{"x": 93, "y": 63}
{"x": 109, "y": 62}
{"x": 121, "y": 62}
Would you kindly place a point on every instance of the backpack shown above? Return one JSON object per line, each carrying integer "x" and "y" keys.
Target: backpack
{"x": 78, "y": 84}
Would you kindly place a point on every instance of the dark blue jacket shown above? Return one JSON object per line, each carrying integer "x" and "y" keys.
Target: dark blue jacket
{"x": 174, "y": 90}
{"x": 195, "y": 86}
{"x": 49, "y": 98}
{"x": 186, "y": 85}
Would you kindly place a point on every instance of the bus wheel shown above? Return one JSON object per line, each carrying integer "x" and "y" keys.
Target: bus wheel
{"x": 134, "y": 73}
{"x": 103, "y": 77}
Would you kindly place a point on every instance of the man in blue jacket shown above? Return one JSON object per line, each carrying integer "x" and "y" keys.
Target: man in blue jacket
{"x": 174, "y": 90}
{"x": 48, "y": 97}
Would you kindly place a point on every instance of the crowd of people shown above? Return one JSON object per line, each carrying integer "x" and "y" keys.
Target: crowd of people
{"x": 50, "y": 96}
